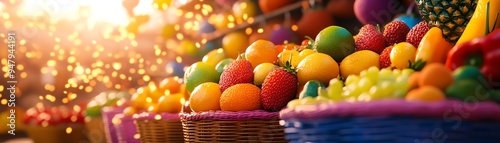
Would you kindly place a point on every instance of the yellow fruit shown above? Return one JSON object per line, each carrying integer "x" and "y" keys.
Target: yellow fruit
{"x": 171, "y": 103}
{"x": 317, "y": 66}
{"x": 402, "y": 53}
{"x": 306, "y": 52}
{"x": 234, "y": 44}
{"x": 214, "y": 57}
{"x": 261, "y": 71}
{"x": 241, "y": 97}
{"x": 357, "y": 62}
{"x": 285, "y": 56}
{"x": 129, "y": 111}
{"x": 205, "y": 97}
{"x": 261, "y": 51}
{"x": 245, "y": 9}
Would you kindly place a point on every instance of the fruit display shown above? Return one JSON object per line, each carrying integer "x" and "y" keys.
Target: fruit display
{"x": 346, "y": 71}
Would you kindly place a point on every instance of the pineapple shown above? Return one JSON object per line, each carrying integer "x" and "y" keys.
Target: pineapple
{"x": 451, "y": 16}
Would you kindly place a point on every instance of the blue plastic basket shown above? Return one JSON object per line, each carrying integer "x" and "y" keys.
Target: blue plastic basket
{"x": 341, "y": 125}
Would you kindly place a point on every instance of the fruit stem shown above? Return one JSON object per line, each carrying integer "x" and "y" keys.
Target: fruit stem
{"x": 310, "y": 39}
{"x": 487, "y": 19}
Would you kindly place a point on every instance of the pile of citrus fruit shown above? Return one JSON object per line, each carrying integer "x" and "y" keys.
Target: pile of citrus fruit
{"x": 167, "y": 96}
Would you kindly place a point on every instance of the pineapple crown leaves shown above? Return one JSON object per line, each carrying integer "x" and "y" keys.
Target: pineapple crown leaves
{"x": 418, "y": 65}
{"x": 488, "y": 20}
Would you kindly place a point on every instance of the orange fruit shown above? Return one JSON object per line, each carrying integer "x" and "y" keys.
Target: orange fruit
{"x": 357, "y": 62}
{"x": 234, "y": 44}
{"x": 413, "y": 79}
{"x": 317, "y": 66}
{"x": 436, "y": 74}
{"x": 138, "y": 99}
{"x": 241, "y": 97}
{"x": 426, "y": 93}
{"x": 171, "y": 84}
{"x": 261, "y": 51}
{"x": 171, "y": 103}
{"x": 205, "y": 97}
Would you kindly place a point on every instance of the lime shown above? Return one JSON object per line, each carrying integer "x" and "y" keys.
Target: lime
{"x": 335, "y": 41}
{"x": 199, "y": 73}
{"x": 221, "y": 66}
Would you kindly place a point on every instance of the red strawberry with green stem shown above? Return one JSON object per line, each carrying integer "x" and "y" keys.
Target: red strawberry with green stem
{"x": 279, "y": 87}
{"x": 370, "y": 38}
{"x": 239, "y": 71}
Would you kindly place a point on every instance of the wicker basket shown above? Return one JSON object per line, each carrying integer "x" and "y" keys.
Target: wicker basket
{"x": 219, "y": 126}
{"x": 57, "y": 134}
{"x": 95, "y": 129}
{"x": 126, "y": 130}
{"x": 394, "y": 121}
{"x": 107, "y": 116}
{"x": 155, "y": 128}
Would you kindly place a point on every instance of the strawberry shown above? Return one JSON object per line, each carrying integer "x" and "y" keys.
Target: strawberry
{"x": 385, "y": 57}
{"x": 279, "y": 87}
{"x": 395, "y": 32}
{"x": 416, "y": 33}
{"x": 370, "y": 38}
{"x": 239, "y": 71}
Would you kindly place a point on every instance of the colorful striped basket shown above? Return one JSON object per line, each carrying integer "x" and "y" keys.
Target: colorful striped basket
{"x": 244, "y": 126}
{"x": 126, "y": 129}
{"x": 107, "y": 116}
{"x": 394, "y": 121}
{"x": 155, "y": 128}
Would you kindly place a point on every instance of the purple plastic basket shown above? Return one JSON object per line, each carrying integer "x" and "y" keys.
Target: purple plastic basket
{"x": 393, "y": 121}
{"x": 107, "y": 115}
{"x": 126, "y": 129}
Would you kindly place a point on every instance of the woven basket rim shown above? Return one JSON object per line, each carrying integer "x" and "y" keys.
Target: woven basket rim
{"x": 396, "y": 107}
{"x": 156, "y": 116}
{"x": 229, "y": 116}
